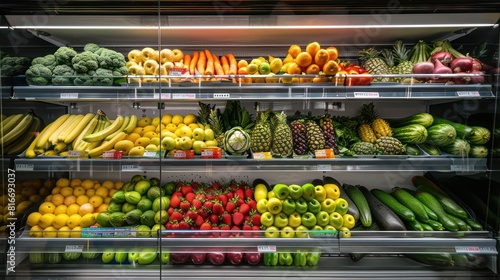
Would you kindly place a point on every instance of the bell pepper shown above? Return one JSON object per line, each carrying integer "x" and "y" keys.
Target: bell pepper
{"x": 288, "y": 206}
{"x": 147, "y": 255}
{"x": 270, "y": 259}
{"x": 301, "y": 206}
{"x": 299, "y": 259}
{"x": 285, "y": 259}
{"x": 313, "y": 258}
{"x": 165, "y": 257}
{"x": 281, "y": 191}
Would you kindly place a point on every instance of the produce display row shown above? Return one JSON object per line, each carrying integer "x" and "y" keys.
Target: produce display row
{"x": 234, "y": 131}
{"x": 99, "y": 66}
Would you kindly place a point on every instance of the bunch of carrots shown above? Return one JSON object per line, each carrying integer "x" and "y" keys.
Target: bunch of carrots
{"x": 206, "y": 63}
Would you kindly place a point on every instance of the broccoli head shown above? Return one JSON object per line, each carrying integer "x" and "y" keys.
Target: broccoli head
{"x": 85, "y": 80}
{"x": 85, "y": 61}
{"x": 103, "y": 77}
{"x": 13, "y": 65}
{"x": 64, "y": 55}
{"x": 9, "y": 60}
{"x": 91, "y": 47}
{"x": 38, "y": 75}
{"x": 109, "y": 59}
{"x": 62, "y": 75}
{"x": 49, "y": 61}
{"x": 24, "y": 61}
{"x": 7, "y": 70}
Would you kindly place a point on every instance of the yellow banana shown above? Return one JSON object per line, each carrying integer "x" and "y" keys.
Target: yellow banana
{"x": 60, "y": 129}
{"x": 18, "y": 130}
{"x": 69, "y": 128}
{"x": 44, "y": 136}
{"x": 60, "y": 147}
{"x": 27, "y": 138}
{"x": 126, "y": 120}
{"x": 132, "y": 124}
{"x": 10, "y": 123}
{"x": 94, "y": 137}
{"x": 78, "y": 128}
{"x": 50, "y": 153}
{"x": 107, "y": 145}
{"x": 30, "y": 151}
{"x": 89, "y": 128}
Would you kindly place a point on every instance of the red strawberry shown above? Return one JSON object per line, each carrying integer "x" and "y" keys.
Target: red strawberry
{"x": 176, "y": 216}
{"x": 196, "y": 203}
{"x": 239, "y": 193}
{"x": 244, "y": 209}
{"x": 215, "y": 231}
{"x": 190, "y": 197}
{"x": 230, "y": 206}
{"x": 217, "y": 209}
{"x": 257, "y": 230}
{"x": 184, "y": 224}
{"x": 170, "y": 210}
{"x": 208, "y": 206}
{"x": 235, "y": 231}
{"x": 168, "y": 226}
{"x": 252, "y": 204}
{"x": 238, "y": 218}
{"x": 216, "y": 185}
{"x": 240, "y": 201}
{"x": 175, "y": 225}
{"x": 195, "y": 185}
{"x": 202, "y": 213}
{"x": 185, "y": 205}
{"x": 223, "y": 199}
{"x": 226, "y": 219}
{"x": 199, "y": 220}
{"x": 175, "y": 201}
{"x": 229, "y": 195}
{"x": 256, "y": 219}
{"x": 246, "y": 227}
{"x": 186, "y": 189}
{"x": 178, "y": 193}
{"x": 214, "y": 219}
{"x": 224, "y": 228}
{"x": 248, "y": 193}
{"x": 205, "y": 226}
{"x": 192, "y": 214}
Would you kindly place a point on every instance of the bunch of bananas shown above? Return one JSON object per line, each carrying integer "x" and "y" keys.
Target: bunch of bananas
{"x": 18, "y": 131}
{"x": 89, "y": 134}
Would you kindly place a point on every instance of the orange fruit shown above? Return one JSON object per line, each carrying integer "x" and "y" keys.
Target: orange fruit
{"x": 48, "y": 198}
{"x": 64, "y": 232}
{"x": 312, "y": 48}
{"x": 242, "y": 63}
{"x": 61, "y": 209}
{"x": 55, "y": 190}
{"x": 75, "y": 182}
{"x": 119, "y": 184}
{"x": 76, "y": 232}
{"x": 97, "y": 185}
{"x": 74, "y": 221}
{"x": 90, "y": 192}
{"x": 331, "y": 67}
{"x": 96, "y": 200}
{"x": 87, "y": 184}
{"x": 47, "y": 208}
{"x": 313, "y": 69}
{"x": 102, "y": 192}
{"x": 82, "y": 199}
{"x": 36, "y": 231}
{"x": 66, "y": 191}
{"x": 321, "y": 57}
{"x": 85, "y": 209}
{"x": 294, "y": 68}
{"x": 294, "y": 50}
{"x": 108, "y": 184}
{"x": 77, "y": 191}
{"x": 303, "y": 59}
{"x": 46, "y": 220}
{"x": 333, "y": 52}
{"x": 69, "y": 200}
{"x": 57, "y": 199}
{"x": 73, "y": 209}
{"x": 60, "y": 220}
{"x": 102, "y": 208}
{"x": 63, "y": 182}
{"x": 33, "y": 219}
{"x": 49, "y": 232}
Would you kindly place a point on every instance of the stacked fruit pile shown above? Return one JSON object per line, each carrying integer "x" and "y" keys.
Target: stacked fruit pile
{"x": 298, "y": 259}
{"x": 27, "y": 193}
{"x": 18, "y": 131}
{"x": 291, "y": 211}
{"x": 72, "y": 205}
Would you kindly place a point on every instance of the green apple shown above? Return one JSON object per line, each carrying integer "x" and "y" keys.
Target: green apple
{"x": 198, "y": 145}
{"x": 341, "y": 206}
{"x": 349, "y": 221}
{"x": 185, "y": 143}
{"x": 328, "y": 205}
{"x": 336, "y": 220}
{"x": 272, "y": 232}
{"x": 308, "y": 219}
{"x": 168, "y": 143}
{"x": 209, "y": 134}
{"x": 264, "y": 68}
{"x": 322, "y": 218}
{"x": 281, "y": 191}
{"x": 287, "y": 232}
{"x": 280, "y": 220}
{"x": 319, "y": 193}
{"x": 274, "y": 205}
{"x": 345, "y": 232}
{"x": 295, "y": 191}
{"x": 198, "y": 134}
{"x": 317, "y": 227}
{"x": 294, "y": 220}
{"x": 308, "y": 191}
{"x": 267, "y": 219}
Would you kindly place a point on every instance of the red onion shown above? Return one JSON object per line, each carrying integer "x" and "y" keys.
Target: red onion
{"x": 441, "y": 69}
{"x": 461, "y": 80}
{"x": 461, "y": 64}
{"x": 479, "y": 79}
{"x": 477, "y": 65}
{"x": 423, "y": 68}
{"x": 443, "y": 57}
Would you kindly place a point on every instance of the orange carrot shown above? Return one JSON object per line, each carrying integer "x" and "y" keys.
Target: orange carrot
{"x": 217, "y": 66}
{"x": 202, "y": 63}
{"x": 233, "y": 68}
{"x": 194, "y": 61}
{"x": 209, "y": 69}
{"x": 225, "y": 64}
{"x": 187, "y": 61}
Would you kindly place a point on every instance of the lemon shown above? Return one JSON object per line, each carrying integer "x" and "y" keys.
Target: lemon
{"x": 87, "y": 220}
{"x": 108, "y": 184}
{"x": 63, "y": 182}
{"x": 73, "y": 209}
{"x": 96, "y": 200}
{"x": 64, "y": 232}
{"x": 87, "y": 184}
{"x": 177, "y": 119}
{"x": 60, "y": 221}
{"x": 102, "y": 192}
{"x": 82, "y": 199}
{"x": 50, "y": 232}
{"x": 189, "y": 119}
{"x": 47, "y": 207}
{"x": 74, "y": 221}
{"x": 36, "y": 231}
{"x": 76, "y": 232}
{"x": 33, "y": 219}
{"x": 61, "y": 209}
{"x": 46, "y": 220}
{"x": 75, "y": 182}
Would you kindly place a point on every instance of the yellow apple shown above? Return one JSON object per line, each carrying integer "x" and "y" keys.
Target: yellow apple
{"x": 211, "y": 143}
{"x": 151, "y": 147}
{"x": 168, "y": 143}
{"x": 185, "y": 131}
{"x": 209, "y": 134}
{"x": 185, "y": 143}
{"x": 198, "y": 145}
{"x": 198, "y": 134}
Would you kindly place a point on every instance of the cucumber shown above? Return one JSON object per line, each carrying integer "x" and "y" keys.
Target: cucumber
{"x": 463, "y": 131}
{"x": 424, "y": 119}
{"x": 353, "y": 209}
{"x": 435, "y": 225}
{"x": 430, "y": 213}
{"x": 449, "y": 205}
{"x": 441, "y": 134}
{"x": 415, "y": 225}
{"x": 430, "y": 201}
{"x": 469, "y": 260}
{"x": 430, "y": 149}
{"x": 361, "y": 203}
{"x": 385, "y": 218}
{"x": 473, "y": 224}
{"x": 410, "y": 134}
{"x": 426, "y": 227}
{"x": 412, "y": 203}
{"x": 462, "y": 226}
{"x": 401, "y": 210}
{"x": 437, "y": 259}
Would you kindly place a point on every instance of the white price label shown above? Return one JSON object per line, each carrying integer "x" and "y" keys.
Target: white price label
{"x": 69, "y": 95}
{"x": 183, "y": 96}
{"x": 473, "y": 249}
{"x": 130, "y": 167}
{"x": 222, "y": 95}
{"x": 24, "y": 167}
{"x": 74, "y": 248}
{"x": 366, "y": 94}
{"x": 266, "y": 249}
{"x": 324, "y": 167}
{"x": 467, "y": 93}
{"x": 161, "y": 95}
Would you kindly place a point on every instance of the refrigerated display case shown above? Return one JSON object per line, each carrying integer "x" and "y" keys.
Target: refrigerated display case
{"x": 250, "y": 29}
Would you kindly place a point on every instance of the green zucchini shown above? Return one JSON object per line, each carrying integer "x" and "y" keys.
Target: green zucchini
{"x": 385, "y": 217}
{"x": 430, "y": 213}
{"x": 478, "y": 151}
{"x": 463, "y": 131}
{"x": 412, "y": 150}
{"x": 469, "y": 260}
{"x": 479, "y": 135}
{"x": 431, "y": 202}
{"x": 424, "y": 119}
{"x": 414, "y": 225}
{"x": 361, "y": 203}
{"x": 408, "y": 200}
{"x": 459, "y": 147}
{"x": 441, "y": 134}
{"x": 401, "y": 210}
{"x": 410, "y": 134}
{"x": 436, "y": 259}
{"x": 473, "y": 224}
{"x": 462, "y": 226}
{"x": 426, "y": 227}
{"x": 435, "y": 225}
{"x": 430, "y": 149}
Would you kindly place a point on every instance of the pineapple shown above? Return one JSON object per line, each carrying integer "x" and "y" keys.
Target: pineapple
{"x": 363, "y": 148}
{"x": 389, "y": 146}
{"x": 374, "y": 64}
{"x": 369, "y": 116}
{"x": 366, "y": 133}
{"x": 389, "y": 60}
{"x": 326, "y": 125}
{"x": 282, "y": 144}
{"x": 299, "y": 135}
{"x": 315, "y": 137}
{"x": 404, "y": 65}
{"x": 261, "y": 134}
{"x": 209, "y": 118}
